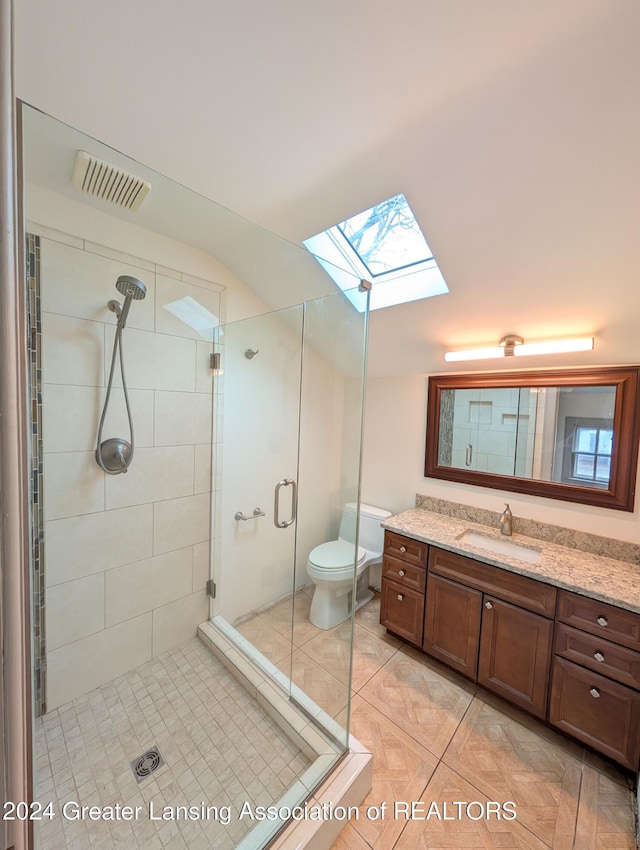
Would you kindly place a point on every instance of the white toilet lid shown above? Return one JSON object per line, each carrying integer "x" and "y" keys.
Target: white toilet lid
{"x": 335, "y": 554}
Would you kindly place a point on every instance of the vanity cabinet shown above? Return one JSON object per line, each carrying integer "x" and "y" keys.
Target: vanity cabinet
{"x": 596, "y": 677}
{"x": 404, "y": 567}
{"x": 485, "y": 622}
{"x": 515, "y": 651}
{"x": 566, "y": 658}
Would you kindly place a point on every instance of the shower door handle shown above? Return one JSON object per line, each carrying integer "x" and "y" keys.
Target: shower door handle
{"x": 286, "y": 482}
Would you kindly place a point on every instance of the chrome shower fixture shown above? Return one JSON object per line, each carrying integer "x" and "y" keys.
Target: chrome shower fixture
{"x": 249, "y": 353}
{"x": 133, "y": 290}
{"x": 131, "y": 287}
{"x": 114, "y": 455}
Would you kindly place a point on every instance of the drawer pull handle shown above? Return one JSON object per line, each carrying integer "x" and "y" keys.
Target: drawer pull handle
{"x": 601, "y": 621}
{"x": 403, "y": 549}
{"x": 488, "y": 605}
{"x": 595, "y": 693}
{"x": 400, "y": 597}
{"x": 401, "y": 573}
{"x": 598, "y": 656}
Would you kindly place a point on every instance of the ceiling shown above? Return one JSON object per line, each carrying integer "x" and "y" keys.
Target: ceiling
{"x": 512, "y": 128}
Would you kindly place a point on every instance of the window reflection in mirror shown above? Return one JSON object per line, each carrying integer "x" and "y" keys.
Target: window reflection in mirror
{"x": 568, "y": 435}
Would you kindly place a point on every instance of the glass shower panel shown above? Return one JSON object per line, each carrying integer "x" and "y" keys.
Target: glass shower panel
{"x": 288, "y": 401}
{"x": 257, "y": 403}
{"x": 332, "y": 399}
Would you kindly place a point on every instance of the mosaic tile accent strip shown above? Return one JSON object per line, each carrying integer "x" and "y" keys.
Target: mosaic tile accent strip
{"x": 34, "y": 347}
{"x": 619, "y": 550}
{"x": 445, "y": 443}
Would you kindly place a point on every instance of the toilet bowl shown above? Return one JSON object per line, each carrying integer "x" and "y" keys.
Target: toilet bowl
{"x": 330, "y": 566}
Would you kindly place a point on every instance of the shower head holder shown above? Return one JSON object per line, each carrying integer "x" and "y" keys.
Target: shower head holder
{"x": 115, "y": 307}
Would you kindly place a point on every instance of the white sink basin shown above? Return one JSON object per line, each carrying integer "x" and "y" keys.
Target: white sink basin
{"x": 499, "y": 546}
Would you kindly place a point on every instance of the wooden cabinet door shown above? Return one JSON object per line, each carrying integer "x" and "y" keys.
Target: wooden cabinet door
{"x": 452, "y": 624}
{"x": 596, "y": 710}
{"x": 515, "y": 654}
{"x": 402, "y": 610}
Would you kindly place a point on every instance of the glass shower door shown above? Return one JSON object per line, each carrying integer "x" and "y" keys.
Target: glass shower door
{"x": 288, "y": 404}
{"x": 257, "y": 411}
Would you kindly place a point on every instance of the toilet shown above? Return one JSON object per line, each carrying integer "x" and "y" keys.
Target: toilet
{"x": 330, "y": 565}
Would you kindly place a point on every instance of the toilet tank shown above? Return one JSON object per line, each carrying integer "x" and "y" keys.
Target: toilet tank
{"x": 371, "y": 534}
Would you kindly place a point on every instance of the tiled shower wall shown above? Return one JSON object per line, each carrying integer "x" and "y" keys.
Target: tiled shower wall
{"x": 127, "y": 555}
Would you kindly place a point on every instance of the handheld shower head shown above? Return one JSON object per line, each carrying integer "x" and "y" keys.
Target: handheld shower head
{"x": 131, "y": 287}
{"x": 133, "y": 290}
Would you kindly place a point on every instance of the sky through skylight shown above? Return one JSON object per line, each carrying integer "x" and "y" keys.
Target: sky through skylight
{"x": 385, "y": 246}
{"x": 386, "y": 237}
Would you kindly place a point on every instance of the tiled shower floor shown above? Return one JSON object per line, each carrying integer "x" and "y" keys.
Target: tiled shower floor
{"x": 218, "y": 745}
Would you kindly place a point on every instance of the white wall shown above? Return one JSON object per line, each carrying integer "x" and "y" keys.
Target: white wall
{"x": 393, "y": 469}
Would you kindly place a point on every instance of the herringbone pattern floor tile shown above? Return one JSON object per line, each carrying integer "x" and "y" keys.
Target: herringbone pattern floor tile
{"x": 509, "y": 761}
{"x": 605, "y": 814}
{"x": 401, "y": 770}
{"x": 424, "y": 703}
{"x": 332, "y": 650}
{"x": 350, "y": 839}
{"x": 281, "y": 617}
{"x": 268, "y": 640}
{"x": 465, "y": 826}
{"x": 369, "y": 616}
{"x": 324, "y": 689}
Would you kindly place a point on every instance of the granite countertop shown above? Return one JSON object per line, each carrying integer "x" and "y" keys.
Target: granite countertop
{"x": 609, "y": 580}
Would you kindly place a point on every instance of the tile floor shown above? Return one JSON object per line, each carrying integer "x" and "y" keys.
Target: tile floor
{"x": 437, "y": 739}
{"x": 216, "y": 741}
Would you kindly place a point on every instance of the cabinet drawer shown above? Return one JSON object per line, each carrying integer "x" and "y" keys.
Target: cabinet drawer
{"x": 598, "y": 618}
{"x": 402, "y": 610}
{"x": 597, "y": 711}
{"x": 412, "y": 551}
{"x": 609, "y": 659}
{"x": 406, "y": 574}
{"x": 526, "y": 592}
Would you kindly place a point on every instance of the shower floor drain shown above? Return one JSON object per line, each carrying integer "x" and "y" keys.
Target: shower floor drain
{"x": 146, "y": 764}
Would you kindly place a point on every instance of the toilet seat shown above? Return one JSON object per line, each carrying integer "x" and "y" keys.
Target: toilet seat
{"x": 335, "y": 555}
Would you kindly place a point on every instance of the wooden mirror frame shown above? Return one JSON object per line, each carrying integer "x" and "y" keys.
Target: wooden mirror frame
{"x": 626, "y": 430}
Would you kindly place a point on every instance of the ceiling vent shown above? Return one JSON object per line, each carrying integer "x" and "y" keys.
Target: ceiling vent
{"x": 104, "y": 180}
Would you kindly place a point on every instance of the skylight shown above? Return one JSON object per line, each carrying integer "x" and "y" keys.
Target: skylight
{"x": 385, "y": 245}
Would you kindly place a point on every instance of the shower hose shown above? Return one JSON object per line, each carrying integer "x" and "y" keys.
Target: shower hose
{"x": 117, "y": 348}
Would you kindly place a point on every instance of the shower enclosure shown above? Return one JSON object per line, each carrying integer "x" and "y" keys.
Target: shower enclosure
{"x": 288, "y": 436}
{"x": 174, "y": 661}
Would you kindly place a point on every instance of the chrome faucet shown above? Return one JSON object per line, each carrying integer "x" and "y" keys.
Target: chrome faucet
{"x": 506, "y": 521}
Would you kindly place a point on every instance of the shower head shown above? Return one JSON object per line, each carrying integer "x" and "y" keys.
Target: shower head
{"x": 131, "y": 287}
{"x": 133, "y": 290}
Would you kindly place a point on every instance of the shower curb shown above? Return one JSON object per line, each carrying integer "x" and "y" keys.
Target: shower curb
{"x": 350, "y": 778}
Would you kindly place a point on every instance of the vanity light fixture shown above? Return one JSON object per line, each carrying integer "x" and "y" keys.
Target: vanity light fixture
{"x": 512, "y": 345}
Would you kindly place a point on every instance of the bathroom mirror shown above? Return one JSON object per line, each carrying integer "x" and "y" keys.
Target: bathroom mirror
{"x": 564, "y": 434}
